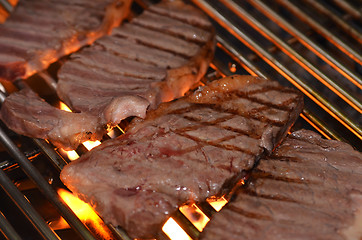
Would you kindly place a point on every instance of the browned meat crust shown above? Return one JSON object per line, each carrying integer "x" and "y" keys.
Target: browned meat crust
{"x": 310, "y": 188}
{"x": 39, "y": 32}
{"x": 184, "y": 151}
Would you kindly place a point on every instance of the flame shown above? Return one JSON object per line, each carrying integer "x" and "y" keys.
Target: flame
{"x": 91, "y": 144}
{"x": 217, "y": 203}
{"x": 84, "y": 212}
{"x": 195, "y": 215}
{"x": 72, "y": 155}
{"x": 174, "y": 231}
{"x": 64, "y": 107}
{"x": 232, "y": 67}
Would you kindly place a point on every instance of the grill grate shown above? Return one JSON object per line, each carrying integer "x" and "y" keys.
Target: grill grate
{"x": 264, "y": 39}
{"x": 314, "y": 46}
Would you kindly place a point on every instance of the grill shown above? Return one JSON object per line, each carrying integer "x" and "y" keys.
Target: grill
{"x": 314, "y": 46}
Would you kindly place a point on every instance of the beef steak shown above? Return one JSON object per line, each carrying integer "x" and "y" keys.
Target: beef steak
{"x": 184, "y": 151}
{"x": 39, "y": 118}
{"x": 310, "y": 188}
{"x": 38, "y": 32}
{"x": 156, "y": 57}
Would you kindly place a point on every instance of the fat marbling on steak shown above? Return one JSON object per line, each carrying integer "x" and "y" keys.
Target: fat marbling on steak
{"x": 184, "y": 151}
{"x": 39, "y": 32}
{"x": 156, "y": 57}
{"x": 310, "y": 188}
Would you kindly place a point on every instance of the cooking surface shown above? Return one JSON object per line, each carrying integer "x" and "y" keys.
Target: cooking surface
{"x": 307, "y": 189}
{"x": 313, "y": 46}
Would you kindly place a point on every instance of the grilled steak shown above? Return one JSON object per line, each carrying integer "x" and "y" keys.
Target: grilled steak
{"x": 184, "y": 151}
{"x": 39, "y": 119}
{"x": 38, "y": 32}
{"x": 157, "y": 57}
{"x": 310, "y": 188}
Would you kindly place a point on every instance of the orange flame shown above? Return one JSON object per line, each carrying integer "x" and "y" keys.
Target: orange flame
{"x": 72, "y": 155}
{"x": 84, "y": 212}
{"x": 195, "y": 215}
{"x": 64, "y": 107}
{"x": 217, "y": 203}
{"x": 174, "y": 231}
{"x": 91, "y": 144}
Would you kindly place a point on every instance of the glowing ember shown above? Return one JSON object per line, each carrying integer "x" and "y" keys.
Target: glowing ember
{"x": 64, "y": 107}
{"x": 217, "y": 203}
{"x": 195, "y": 215}
{"x": 91, "y": 144}
{"x": 232, "y": 67}
{"x": 174, "y": 231}
{"x": 84, "y": 212}
{"x": 72, "y": 155}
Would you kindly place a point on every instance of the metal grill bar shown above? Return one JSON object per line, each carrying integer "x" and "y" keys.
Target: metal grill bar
{"x": 339, "y": 21}
{"x": 248, "y": 62}
{"x": 308, "y": 42}
{"x": 244, "y": 62}
{"x": 335, "y": 87}
{"x": 249, "y": 67}
{"x": 44, "y": 187}
{"x": 6, "y": 5}
{"x": 52, "y": 155}
{"x": 285, "y": 71}
{"x": 40, "y": 225}
{"x": 7, "y": 229}
{"x": 333, "y": 38}
{"x": 352, "y": 10}
{"x": 59, "y": 162}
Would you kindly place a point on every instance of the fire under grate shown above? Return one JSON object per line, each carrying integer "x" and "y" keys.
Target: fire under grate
{"x": 310, "y": 45}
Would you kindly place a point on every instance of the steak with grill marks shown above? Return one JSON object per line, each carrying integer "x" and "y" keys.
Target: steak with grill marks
{"x": 184, "y": 151}
{"x": 38, "y": 32}
{"x": 155, "y": 58}
{"x": 310, "y": 188}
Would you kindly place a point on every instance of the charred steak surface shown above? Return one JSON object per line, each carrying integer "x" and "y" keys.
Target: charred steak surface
{"x": 184, "y": 151}
{"x": 38, "y": 32}
{"x": 310, "y": 188}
